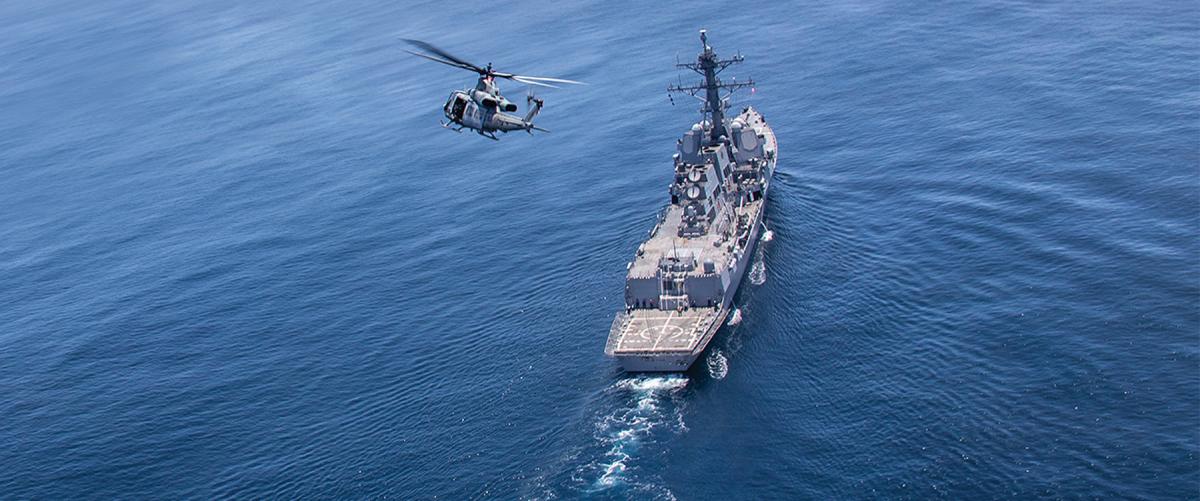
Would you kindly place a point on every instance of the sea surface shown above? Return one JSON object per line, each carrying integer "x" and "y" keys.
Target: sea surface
{"x": 239, "y": 258}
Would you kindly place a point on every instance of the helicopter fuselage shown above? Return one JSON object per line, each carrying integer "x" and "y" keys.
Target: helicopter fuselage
{"x": 483, "y": 109}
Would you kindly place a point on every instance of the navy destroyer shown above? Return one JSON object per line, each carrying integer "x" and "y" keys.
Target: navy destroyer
{"x": 680, "y": 285}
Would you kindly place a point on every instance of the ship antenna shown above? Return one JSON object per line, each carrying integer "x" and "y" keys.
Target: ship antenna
{"x": 708, "y": 66}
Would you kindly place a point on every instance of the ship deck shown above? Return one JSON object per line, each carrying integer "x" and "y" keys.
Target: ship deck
{"x": 664, "y": 237}
{"x": 665, "y": 240}
{"x": 659, "y": 331}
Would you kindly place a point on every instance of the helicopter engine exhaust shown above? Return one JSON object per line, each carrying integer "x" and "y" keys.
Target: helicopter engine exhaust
{"x": 498, "y": 104}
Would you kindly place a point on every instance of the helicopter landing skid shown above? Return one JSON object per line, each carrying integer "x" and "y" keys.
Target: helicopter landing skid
{"x": 447, "y": 126}
{"x": 489, "y": 136}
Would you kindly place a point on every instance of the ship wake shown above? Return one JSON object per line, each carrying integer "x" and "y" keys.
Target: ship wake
{"x": 718, "y": 365}
{"x": 649, "y": 407}
{"x": 758, "y": 269}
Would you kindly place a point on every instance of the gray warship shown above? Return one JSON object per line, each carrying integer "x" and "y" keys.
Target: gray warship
{"x": 681, "y": 284}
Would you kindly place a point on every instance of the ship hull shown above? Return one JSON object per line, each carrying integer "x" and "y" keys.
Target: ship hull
{"x": 675, "y": 308}
{"x": 682, "y": 361}
{"x": 657, "y": 363}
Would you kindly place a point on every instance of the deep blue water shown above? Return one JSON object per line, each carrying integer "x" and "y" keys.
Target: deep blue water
{"x": 239, "y": 258}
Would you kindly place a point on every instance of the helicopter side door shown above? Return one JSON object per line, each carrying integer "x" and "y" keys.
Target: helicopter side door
{"x": 474, "y": 116}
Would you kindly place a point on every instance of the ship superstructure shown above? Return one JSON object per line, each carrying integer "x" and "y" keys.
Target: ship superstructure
{"x": 681, "y": 283}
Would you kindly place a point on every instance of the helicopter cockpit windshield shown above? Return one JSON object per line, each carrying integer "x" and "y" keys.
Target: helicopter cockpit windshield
{"x": 455, "y": 106}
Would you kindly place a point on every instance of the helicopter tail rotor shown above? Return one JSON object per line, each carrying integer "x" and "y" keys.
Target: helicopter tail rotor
{"x": 530, "y": 98}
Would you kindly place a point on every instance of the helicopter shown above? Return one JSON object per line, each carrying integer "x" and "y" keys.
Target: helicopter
{"x": 483, "y": 109}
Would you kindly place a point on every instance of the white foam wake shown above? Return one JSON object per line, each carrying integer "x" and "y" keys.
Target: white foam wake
{"x": 718, "y": 365}
{"x": 648, "y": 404}
{"x": 736, "y": 317}
{"x": 758, "y": 271}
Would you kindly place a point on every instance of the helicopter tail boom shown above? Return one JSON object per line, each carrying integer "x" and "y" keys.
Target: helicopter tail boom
{"x": 535, "y": 107}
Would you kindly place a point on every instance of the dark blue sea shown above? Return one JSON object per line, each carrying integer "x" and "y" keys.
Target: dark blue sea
{"x": 239, "y": 258}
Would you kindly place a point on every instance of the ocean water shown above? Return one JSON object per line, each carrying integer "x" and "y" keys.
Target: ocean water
{"x": 240, "y": 259}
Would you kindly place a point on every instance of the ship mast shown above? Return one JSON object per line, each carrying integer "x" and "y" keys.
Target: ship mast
{"x": 708, "y": 65}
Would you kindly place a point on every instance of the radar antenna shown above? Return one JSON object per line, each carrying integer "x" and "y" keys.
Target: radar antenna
{"x": 708, "y": 65}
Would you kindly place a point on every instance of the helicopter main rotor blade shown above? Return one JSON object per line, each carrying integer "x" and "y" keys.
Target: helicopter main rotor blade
{"x": 548, "y": 79}
{"x": 523, "y": 80}
{"x": 543, "y": 81}
{"x": 452, "y": 60}
{"x": 445, "y": 55}
{"x": 439, "y": 60}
